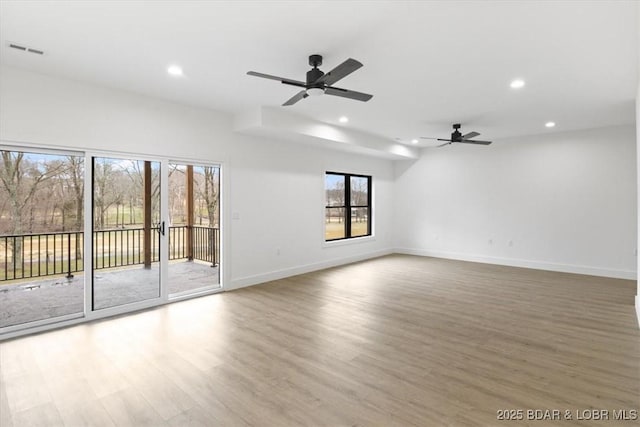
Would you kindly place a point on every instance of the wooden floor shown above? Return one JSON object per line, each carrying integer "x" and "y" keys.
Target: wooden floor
{"x": 398, "y": 340}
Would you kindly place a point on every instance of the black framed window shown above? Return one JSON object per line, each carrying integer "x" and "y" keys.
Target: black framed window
{"x": 347, "y": 206}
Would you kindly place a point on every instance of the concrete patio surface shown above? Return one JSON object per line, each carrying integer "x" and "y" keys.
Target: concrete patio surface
{"x": 49, "y": 297}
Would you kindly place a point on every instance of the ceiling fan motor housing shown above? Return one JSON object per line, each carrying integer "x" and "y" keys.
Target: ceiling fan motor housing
{"x": 456, "y": 136}
{"x": 313, "y": 75}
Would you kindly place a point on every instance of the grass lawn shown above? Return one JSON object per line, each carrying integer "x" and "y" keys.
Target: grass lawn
{"x": 335, "y": 230}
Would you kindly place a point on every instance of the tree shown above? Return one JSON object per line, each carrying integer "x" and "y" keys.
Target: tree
{"x": 21, "y": 180}
{"x": 135, "y": 171}
{"x": 359, "y": 196}
{"x": 76, "y": 183}
{"x": 336, "y": 197}
{"x": 105, "y": 193}
{"x": 177, "y": 194}
{"x": 210, "y": 193}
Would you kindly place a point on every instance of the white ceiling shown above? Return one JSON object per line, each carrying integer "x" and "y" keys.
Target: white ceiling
{"x": 428, "y": 64}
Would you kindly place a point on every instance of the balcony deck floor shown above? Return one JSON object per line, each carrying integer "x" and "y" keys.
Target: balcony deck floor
{"x": 54, "y": 296}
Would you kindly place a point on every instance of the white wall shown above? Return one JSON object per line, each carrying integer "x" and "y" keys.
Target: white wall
{"x": 638, "y": 162}
{"x": 278, "y": 193}
{"x": 275, "y": 187}
{"x": 638, "y": 175}
{"x": 564, "y": 201}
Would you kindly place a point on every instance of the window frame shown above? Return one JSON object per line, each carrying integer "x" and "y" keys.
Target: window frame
{"x": 347, "y": 206}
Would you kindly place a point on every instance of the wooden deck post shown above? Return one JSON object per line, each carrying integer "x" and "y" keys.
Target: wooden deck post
{"x": 147, "y": 214}
{"x": 190, "y": 215}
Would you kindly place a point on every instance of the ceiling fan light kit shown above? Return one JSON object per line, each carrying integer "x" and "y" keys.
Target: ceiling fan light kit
{"x": 315, "y": 91}
{"x": 318, "y": 83}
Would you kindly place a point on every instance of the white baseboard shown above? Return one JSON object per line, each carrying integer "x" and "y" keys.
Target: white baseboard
{"x": 638, "y": 309}
{"x": 538, "y": 265}
{"x": 294, "y": 271}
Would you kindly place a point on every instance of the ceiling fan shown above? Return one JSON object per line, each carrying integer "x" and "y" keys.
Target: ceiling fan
{"x": 456, "y": 136}
{"x": 318, "y": 82}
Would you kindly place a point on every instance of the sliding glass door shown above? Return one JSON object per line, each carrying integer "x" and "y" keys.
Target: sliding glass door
{"x": 127, "y": 231}
{"x": 194, "y": 231}
{"x": 91, "y": 235}
{"x": 41, "y": 236}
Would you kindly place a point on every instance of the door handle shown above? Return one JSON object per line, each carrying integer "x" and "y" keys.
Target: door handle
{"x": 161, "y": 228}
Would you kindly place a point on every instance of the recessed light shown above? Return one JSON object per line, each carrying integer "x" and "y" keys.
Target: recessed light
{"x": 550, "y": 124}
{"x": 175, "y": 70}
{"x": 517, "y": 84}
{"x": 414, "y": 141}
{"x": 343, "y": 119}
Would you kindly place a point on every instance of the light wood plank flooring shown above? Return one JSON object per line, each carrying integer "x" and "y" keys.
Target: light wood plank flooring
{"x": 397, "y": 340}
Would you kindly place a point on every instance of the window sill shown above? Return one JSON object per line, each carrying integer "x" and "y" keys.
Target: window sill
{"x": 352, "y": 241}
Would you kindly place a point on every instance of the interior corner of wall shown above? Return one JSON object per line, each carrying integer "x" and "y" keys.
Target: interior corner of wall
{"x": 247, "y": 119}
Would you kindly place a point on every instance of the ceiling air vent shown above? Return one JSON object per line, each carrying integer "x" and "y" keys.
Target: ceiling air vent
{"x": 26, "y": 48}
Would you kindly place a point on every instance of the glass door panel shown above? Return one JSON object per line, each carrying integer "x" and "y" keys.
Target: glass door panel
{"x": 127, "y": 227}
{"x": 194, "y": 231}
{"x": 41, "y": 236}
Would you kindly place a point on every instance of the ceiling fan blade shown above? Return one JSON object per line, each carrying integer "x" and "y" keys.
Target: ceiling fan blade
{"x": 468, "y": 141}
{"x": 341, "y": 71}
{"x": 470, "y": 135}
{"x": 440, "y": 139}
{"x": 297, "y": 97}
{"x": 280, "y": 79}
{"x": 427, "y": 137}
{"x": 446, "y": 143}
{"x": 351, "y": 94}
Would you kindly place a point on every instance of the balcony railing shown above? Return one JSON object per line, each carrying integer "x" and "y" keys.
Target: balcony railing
{"x": 34, "y": 255}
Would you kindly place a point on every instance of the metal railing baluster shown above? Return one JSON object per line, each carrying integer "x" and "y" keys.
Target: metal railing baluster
{"x": 26, "y": 255}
